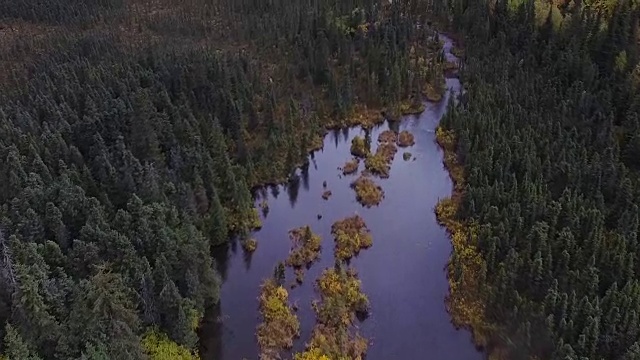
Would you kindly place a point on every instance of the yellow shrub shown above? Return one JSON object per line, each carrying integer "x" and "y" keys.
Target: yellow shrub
{"x": 158, "y": 346}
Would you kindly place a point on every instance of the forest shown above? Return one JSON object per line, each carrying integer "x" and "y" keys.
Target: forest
{"x": 132, "y": 134}
{"x": 544, "y": 150}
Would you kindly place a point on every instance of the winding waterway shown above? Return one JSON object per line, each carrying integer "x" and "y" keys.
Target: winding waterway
{"x": 403, "y": 274}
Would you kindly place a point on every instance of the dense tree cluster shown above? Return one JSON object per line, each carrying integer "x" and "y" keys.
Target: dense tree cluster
{"x": 131, "y": 134}
{"x": 548, "y": 135}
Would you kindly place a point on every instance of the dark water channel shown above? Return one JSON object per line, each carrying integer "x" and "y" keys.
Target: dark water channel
{"x": 403, "y": 273}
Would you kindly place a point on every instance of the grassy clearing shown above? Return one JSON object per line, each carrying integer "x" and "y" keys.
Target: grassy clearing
{"x": 405, "y": 139}
{"x": 368, "y": 193}
{"x": 334, "y": 336}
{"x": 351, "y": 235}
{"x": 350, "y": 167}
{"x": 359, "y": 147}
{"x": 279, "y": 326}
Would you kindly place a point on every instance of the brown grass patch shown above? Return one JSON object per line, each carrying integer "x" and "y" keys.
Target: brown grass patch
{"x": 405, "y": 139}
{"x": 389, "y": 136}
{"x": 350, "y": 167}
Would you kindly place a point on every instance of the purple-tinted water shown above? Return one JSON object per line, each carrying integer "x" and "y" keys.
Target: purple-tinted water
{"x": 403, "y": 274}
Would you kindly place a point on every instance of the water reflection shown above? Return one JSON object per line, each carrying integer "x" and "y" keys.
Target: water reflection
{"x": 210, "y": 333}
{"x": 293, "y": 189}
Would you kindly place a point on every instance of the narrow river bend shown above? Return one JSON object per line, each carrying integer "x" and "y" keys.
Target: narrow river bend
{"x": 403, "y": 273}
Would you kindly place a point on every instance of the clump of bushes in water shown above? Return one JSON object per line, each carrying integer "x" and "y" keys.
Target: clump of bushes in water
{"x": 387, "y": 136}
{"x": 359, "y": 147}
{"x": 250, "y": 245}
{"x": 306, "y": 247}
{"x": 405, "y": 139}
{"x": 326, "y": 194}
{"x": 279, "y": 326}
{"x": 341, "y": 298}
{"x": 406, "y": 156}
{"x": 351, "y": 235}
{"x": 380, "y": 162}
{"x": 350, "y": 167}
{"x": 368, "y": 193}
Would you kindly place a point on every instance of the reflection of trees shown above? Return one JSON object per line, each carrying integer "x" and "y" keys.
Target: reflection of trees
{"x": 293, "y": 188}
{"x": 210, "y": 333}
{"x": 221, "y": 256}
{"x": 246, "y": 257}
{"x": 305, "y": 176}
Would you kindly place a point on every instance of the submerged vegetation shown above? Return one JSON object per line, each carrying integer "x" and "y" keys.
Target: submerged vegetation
{"x": 406, "y": 156}
{"x": 351, "y": 235}
{"x": 279, "y": 326}
{"x": 368, "y": 193}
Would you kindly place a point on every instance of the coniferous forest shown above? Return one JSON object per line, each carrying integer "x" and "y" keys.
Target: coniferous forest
{"x": 132, "y": 133}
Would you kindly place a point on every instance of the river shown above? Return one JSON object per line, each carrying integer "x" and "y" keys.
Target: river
{"x": 403, "y": 273}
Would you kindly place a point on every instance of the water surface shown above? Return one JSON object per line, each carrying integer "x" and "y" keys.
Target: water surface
{"x": 403, "y": 273}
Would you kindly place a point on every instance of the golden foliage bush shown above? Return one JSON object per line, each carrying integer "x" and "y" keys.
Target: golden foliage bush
{"x": 158, "y": 346}
{"x": 341, "y": 298}
{"x": 279, "y": 326}
{"x": 351, "y": 235}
